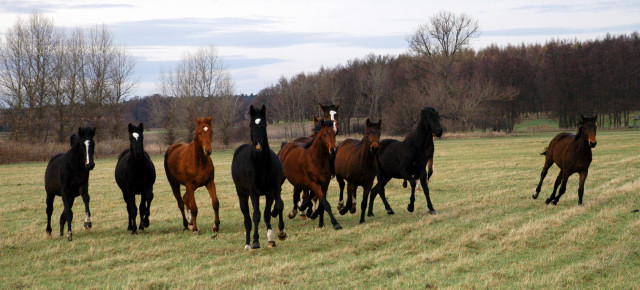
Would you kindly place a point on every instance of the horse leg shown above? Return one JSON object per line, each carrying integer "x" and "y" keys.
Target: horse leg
{"x": 340, "y": 201}
{"x": 429, "y": 169}
{"x": 412, "y": 198}
{"x": 351, "y": 192}
{"x": 296, "y": 200}
{"x": 271, "y": 241}
{"x": 279, "y": 207}
{"x": 143, "y": 210}
{"x": 148, "y": 197}
{"x": 68, "y": 204}
{"x": 244, "y": 207}
{"x": 545, "y": 169}
{"x": 49, "y": 211}
{"x": 84, "y": 190}
{"x": 555, "y": 187}
{"x": 130, "y": 199}
{"x": 175, "y": 187}
{"x": 307, "y": 213}
{"x": 327, "y": 207}
{"x": 255, "y": 202}
{"x": 583, "y": 177}
{"x": 563, "y": 188}
{"x": 211, "y": 187}
{"x": 377, "y": 190}
{"x": 192, "y": 208}
{"x": 425, "y": 186}
{"x": 321, "y": 215}
{"x": 383, "y": 197}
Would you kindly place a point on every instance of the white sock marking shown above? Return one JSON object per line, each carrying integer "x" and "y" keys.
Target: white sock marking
{"x": 257, "y": 121}
{"x": 135, "y": 135}
{"x": 86, "y": 218}
{"x": 86, "y": 146}
{"x": 270, "y": 236}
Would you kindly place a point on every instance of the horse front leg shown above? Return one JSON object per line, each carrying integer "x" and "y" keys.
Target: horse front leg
{"x": 563, "y": 188}
{"x": 192, "y": 208}
{"x": 425, "y": 186}
{"x": 132, "y": 211}
{"x": 296, "y": 201}
{"x": 148, "y": 197}
{"x": 211, "y": 187}
{"x": 271, "y": 241}
{"x": 244, "y": 207}
{"x": 255, "y": 202}
{"x": 84, "y": 191}
{"x": 583, "y": 178}
{"x": 412, "y": 198}
{"x": 143, "y": 210}
{"x": 555, "y": 187}
{"x": 67, "y": 201}
{"x": 351, "y": 192}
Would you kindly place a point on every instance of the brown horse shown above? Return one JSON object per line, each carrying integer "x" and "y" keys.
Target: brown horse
{"x": 356, "y": 162}
{"x": 572, "y": 153}
{"x": 307, "y": 167}
{"x": 190, "y": 165}
{"x": 330, "y": 112}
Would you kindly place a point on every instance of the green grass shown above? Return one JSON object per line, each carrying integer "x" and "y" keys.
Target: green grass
{"x": 488, "y": 231}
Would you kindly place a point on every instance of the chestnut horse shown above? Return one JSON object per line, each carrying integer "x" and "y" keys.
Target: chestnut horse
{"x": 190, "y": 165}
{"x": 306, "y": 166}
{"x": 356, "y": 162}
{"x": 572, "y": 153}
{"x": 257, "y": 171}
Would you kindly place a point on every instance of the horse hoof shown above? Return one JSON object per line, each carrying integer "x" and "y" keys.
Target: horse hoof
{"x": 303, "y": 217}
{"x": 433, "y": 212}
{"x": 215, "y": 229}
{"x": 282, "y": 235}
{"x": 340, "y": 205}
{"x": 535, "y": 196}
{"x": 256, "y": 245}
{"x": 370, "y": 214}
{"x": 69, "y": 236}
{"x": 293, "y": 214}
{"x": 214, "y": 236}
{"x": 410, "y": 207}
{"x": 247, "y": 247}
{"x": 337, "y": 227}
{"x": 353, "y": 210}
{"x": 343, "y": 210}
{"x": 548, "y": 201}
{"x": 195, "y": 233}
{"x": 87, "y": 225}
{"x": 49, "y": 234}
{"x": 555, "y": 202}
{"x": 390, "y": 212}
{"x": 146, "y": 223}
{"x": 271, "y": 244}
{"x": 134, "y": 233}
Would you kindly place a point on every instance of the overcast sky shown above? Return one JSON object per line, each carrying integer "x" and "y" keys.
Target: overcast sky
{"x": 264, "y": 40}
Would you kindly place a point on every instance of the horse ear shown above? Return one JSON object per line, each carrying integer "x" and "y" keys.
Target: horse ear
{"x": 196, "y": 119}
{"x": 315, "y": 120}
{"x": 252, "y": 111}
{"x": 595, "y": 118}
{"x": 209, "y": 119}
{"x": 93, "y": 131}
{"x": 73, "y": 139}
{"x": 263, "y": 110}
{"x": 379, "y": 122}
{"x": 337, "y": 106}
{"x": 130, "y": 128}
{"x": 368, "y": 122}
{"x": 79, "y": 131}
{"x": 141, "y": 127}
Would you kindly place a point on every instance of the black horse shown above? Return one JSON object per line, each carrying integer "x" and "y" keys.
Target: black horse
{"x": 67, "y": 176}
{"x": 256, "y": 171}
{"x": 407, "y": 159}
{"x": 135, "y": 174}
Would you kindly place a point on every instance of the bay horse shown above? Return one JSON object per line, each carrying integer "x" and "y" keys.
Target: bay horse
{"x": 306, "y": 166}
{"x": 256, "y": 171}
{"x": 407, "y": 159}
{"x": 356, "y": 162}
{"x": 572, "y": 153}
{"x": 136, "y": 174}
{"x": 189, "y": 164}
{"x": 67, "y": 176}
{"x": 296, "y": 194}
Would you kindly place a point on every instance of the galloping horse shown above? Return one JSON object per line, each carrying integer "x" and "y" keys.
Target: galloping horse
{"x": 306, "y": 166}
{"x": 257, "y": 171}
{"x": 356, "y": 162}
{"x": 572, "y": 153}
{"x": 190, "y": 165}
{"x": 136, "y": 174}
{"x": 67, "y": 176}
{"x": 407, "y": 159}
{"x": 330, "y": 112}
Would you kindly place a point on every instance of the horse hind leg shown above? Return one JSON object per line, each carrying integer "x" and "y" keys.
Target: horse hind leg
{"x": 563, "y": 188}
{"x": 296, "y": 201}
{"x": 244, "y": 207}
{"x": 255, "y": 202}
{"x": 543, "y": 174}
{"x": 175, "y": 187}
{"x": 425, "y": 186}
{"x": 351, "y": 191}
{"x": 49, "y": 211}
{"x": 555, "y": 187}
{"x": 583, "y": 177}
{"x": 215, "y": 204}
{"x": 271, "y": 241}
{"x": 341, "y": 185}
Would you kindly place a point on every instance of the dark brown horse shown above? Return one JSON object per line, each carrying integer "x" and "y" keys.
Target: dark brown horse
{"x": 356, "y": 162}
{"x": 306, "y": 166}
{"x": 572, "y": 153}
{"x": 190, "y": 165}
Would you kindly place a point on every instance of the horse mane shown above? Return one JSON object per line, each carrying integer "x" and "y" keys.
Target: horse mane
{"x": 579, "y": 134}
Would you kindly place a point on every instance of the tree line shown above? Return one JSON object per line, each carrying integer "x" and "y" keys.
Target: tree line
{"x": 52, "y": 80}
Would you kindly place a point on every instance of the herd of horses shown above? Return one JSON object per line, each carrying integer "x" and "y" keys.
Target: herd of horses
{"x": 309, "y": 163}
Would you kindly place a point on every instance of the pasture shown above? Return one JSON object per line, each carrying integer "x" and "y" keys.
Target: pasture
{"x": 488, "y": 232}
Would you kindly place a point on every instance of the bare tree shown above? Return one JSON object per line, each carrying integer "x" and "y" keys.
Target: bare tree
{"x": 121, "y": 83}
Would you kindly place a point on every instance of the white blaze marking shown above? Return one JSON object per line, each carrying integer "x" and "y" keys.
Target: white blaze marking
{"x": 206, "y": 129}
{"x": 257, "y": 121}
{"x": 135, "y": 135}
{"x": 270, "y": 236}
{"x": 333, "y": 118}
{"x": 86, "y": 146}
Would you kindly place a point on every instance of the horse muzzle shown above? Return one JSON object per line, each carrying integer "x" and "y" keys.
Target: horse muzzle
{"x": 438, "y": 133}
{"x": 333, "y": 151}
{"x": 90, "y": 166}
{"x": 207, "y": 152}
{"x": 258, "y": 147}
{"x": 593, "y": 144}
{"x": 374, "y": 147}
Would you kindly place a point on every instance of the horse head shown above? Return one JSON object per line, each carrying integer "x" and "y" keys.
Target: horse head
{"x": 327, "y": 135}
{"x": 430, "y": 119}
{"x": 330, "y": 112}
{"x": 258, "y": 127}
{"x": 372, "y": 134}
{"x": 136, "y": 138}
{"x": 203, "y": 134}
{"x": 85, "y": 136}
{"x": 588, "y": 126}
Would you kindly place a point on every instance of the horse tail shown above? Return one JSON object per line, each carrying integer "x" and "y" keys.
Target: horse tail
{"x": 545, "y": 151}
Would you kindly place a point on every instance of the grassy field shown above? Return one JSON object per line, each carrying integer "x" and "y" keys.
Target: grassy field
{"x": 488, "y": 232}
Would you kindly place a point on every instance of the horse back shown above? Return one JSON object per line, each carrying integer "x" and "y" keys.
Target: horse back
{"x": 349, "y": 165}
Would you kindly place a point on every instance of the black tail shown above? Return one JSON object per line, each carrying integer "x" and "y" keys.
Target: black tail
{"x": 545, "y": 151}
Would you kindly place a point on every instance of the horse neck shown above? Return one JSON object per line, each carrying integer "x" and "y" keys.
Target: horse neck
{"x": 581, "y": 143}
{"x": 318, "y": 151}
{"x": 77, "y": 158}
{"x": 420, "y": 137}
{"x": 197, "y": 150}
{"x": 364, "y": 153}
